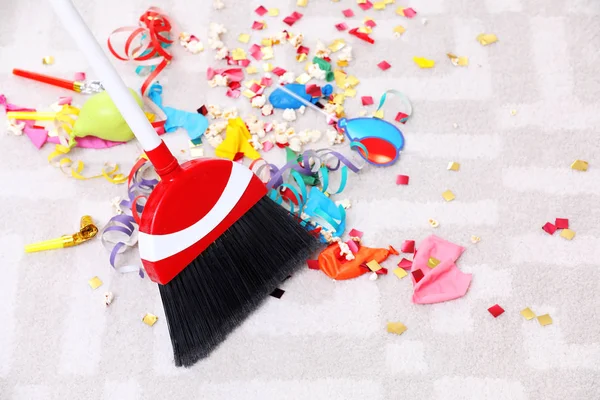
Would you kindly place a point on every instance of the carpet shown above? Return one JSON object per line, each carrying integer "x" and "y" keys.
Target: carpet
{"x": 515, "y": 119}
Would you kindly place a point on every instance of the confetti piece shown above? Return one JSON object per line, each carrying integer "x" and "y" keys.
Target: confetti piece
{"x": 487, "y": 38}
{"x": 374, "y": 265}
{"x": 401, "y": 117}
{"x": 402, "y": 180}
{"x": 405, "y": 264}
{"x": 150, "y": 319}
{"x": 448, "y": 195}
{"x": 370, "y": 23}
{"x": 362, "y": 36}
{"x": 567, "y": 234}
{"x": 261, "y": 10}
{"x": 384, "y": 65}
{"x": 95, "y": 282}
{"x": 251, "y": 70}
{"x": 562, "y": 223}
{"x": 528, "y": 314}
{"x": 406, "y": 12}
{"x": 389, "y": 1}
{"x": 433, "y": 223}
{"x": 399, "y": 30}
{"x": 549, "y": 228}
{"x": 400, "y": 273}
{"x": 279, "y": 71}
{"x": 302, "y": 3}
{"x": 267, "y": 67}
{"x": 337, "y": 45}
{"x": 496, "y": 310}
{"x": 433, "y": 262}
{"x": 339, "y": 98}
{"x": 293, "y": 18}
{"x": 396, "y": 327}
{"x": 355, "y": 233}
{"x": 367, "y": 5}
{"x": 367, "y": 100}
{"x": 258, "y": 25}
{"x": 108, "y": 298}
{"x": 545, "y": 319}
{"x": 475, "y": 239}
{"x": 379, "y": 5}
{"x": 408, "y": 246}
{"x": 341, "y": 26}
{"x": 580, "y": 165}
{"x": 244, "y": 38}
{"x": 379, "y": 114}
{"x": 303, "y": 78}
{"x": 348, "y": 13}
{"x": 349, "y": 92}
{"x": 273, "y": 12}
{"x": 267, "y": 53}
{"x": 423, "y": 62}
{"x": 313, "y": 90}
{"x": 458, "y": 61}
{"x": 453, "y": 166}
{"x": 313, "y": 264}
{"x": 238, "y": 54}
{"x": 48, "y": 60}
{"x": 382, "y": 271}
{"x": 277, "y": 293}
{"x": 417, "y": 275}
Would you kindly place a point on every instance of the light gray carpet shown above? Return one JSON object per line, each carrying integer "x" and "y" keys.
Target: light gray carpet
{"x": 323, "y": 339}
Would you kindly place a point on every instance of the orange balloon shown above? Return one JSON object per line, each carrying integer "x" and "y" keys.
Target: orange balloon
{"x": 341, "y": 269}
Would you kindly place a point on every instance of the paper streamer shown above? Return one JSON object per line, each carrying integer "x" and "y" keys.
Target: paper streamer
{"x": 403, "y": 98}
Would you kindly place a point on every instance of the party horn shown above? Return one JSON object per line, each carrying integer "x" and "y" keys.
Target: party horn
{"x": 76, "y": 86}
{"x": 87, "y": 231}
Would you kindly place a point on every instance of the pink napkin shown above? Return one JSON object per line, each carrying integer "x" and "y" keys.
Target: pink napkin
{"x": 445, "y": 281}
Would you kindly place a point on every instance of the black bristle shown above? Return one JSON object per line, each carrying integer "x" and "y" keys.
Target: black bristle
{"x": 225, "y": 283}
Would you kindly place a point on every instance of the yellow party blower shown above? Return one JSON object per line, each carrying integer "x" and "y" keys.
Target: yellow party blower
{"x": 88, "y": 230}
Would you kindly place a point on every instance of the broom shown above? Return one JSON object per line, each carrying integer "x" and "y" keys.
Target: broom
{"x": 209, "y": 235}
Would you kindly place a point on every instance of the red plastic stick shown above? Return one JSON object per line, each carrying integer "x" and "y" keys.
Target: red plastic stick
{"x": 63, "y": 83}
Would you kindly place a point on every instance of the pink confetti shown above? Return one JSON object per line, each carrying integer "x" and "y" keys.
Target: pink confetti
{"x": 562, "y": 223}
{"x": 255, "y": 87}
{"x": 366, "y": 5}
{"x": 353, "y": 246}
{"x": 267, "y": 145}
{"x": 405, "y": 264}
{"x": 367, "y": 100}
{"x": 549, "y": 228}
{"x": 261, "y": 10}
{"x": 292, "y": 19}
{"x": 382, "y": 271}
{"x": 384, "y": 65}
{"x": 348, "y": 13}
{"x": 341, "y": 26}
{"x": 370, "y": 23}
{"x": 244, "y": 63}
{"x": 278, "y": 71}
{"x": 355, "y": 233}
{"x": 79, "y": 76}
{"x": 233, "y": 93}
{"x": 409, "y": 12}
{"x": 65, "y": 100}
{"x": 408, "y": 246}
{"x": 266, "y": 81}
{"x": 402, "y": 180}
{"x": 401, "y": 117}
{"x": 257, "y": 25}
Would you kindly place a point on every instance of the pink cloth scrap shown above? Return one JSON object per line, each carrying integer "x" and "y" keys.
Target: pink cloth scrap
{"x": 445, "y": 281}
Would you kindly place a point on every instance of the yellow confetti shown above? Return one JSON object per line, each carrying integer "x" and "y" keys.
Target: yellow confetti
{"x": 301, "y": 57}
{"x": 150, "y": 319}
{"x": 433, "y": 223}
{"x": 273, "y": 12}
{"x": 448, "y": 195}
{"x": 433, "y": 262}
{"x": 374, "y": 265}
{"x": 244, "y": 38}
{"x": 251, "y": 70}
{"x": 267, "y": 53}
{"x": 340, "y": 77}
{"x": 351, "y": 81}
{"x": 238, "y": 54}
{"x": 378, "y": 114}
{"x": 487, "y": 38}
{"x": 513, "y": 112}
{"x": 399, "y": 30}
{"x": 365, "y": 29}
{"x": 266, "y": 42}
{"x": 267, "y": 67}
{"x": 475, "y": 239}
{"x": 337, "y": 45}
{"x": 389, "y": 1}
{"x": 545, "y": 319}
{"x": 400, "y": 273}
{"x": 379, "y": 5}
{"x": 580, "y": 165}
{"x": 339, "y": 98}
{"x": 303, "y": 78}
{"x": 396, "y": 327}
{"x": 95, "y": 282}
{"x": 248, "y": 93}
{"x": 567, "y": 234}
{"x": 302, "y": 3}
{"x": 527, "y": 314}
{"x": 458, "y": 61}
{"x": 339, "y": 111}
{"x": 453, "y": 166}
{"x": 349, "y": 92}
{"x": 48, "y": 60}
{"x": 342, "y": 63}
{"x": 423, "y": 62}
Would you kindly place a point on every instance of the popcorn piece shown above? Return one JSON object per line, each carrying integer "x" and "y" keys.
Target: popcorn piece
{"x": 301, "y": 110}
{"x": 230, "y": 113}
{"x": 316, "y": 72}
{"x": 214, "y": 111}
{"x": 281, "y": 138}
{"x": 321, "y": 50}
{"x": 345, "y": 54}
{"x": 218, "y": 80}
{"x": 195, "y": 47}
{"x": 258, "y": 101}
{"x": 279, "y": 127}
{"x": 222, "y": 52}
{"x": 214, "y": 141}
{"x": 334, "y": 137}
{"x": 255, "y": 142}
{"x": 267, "y": 110}
{"x": 286, "y": 78}
{"x": 218, "y": 5}
{"x": 14, "y": 128}
{"x": 108, "y": 298}
{"x": 289, "y": 114}
{"x": 116, "y": 203}
{"x": 295, "y": 144}
{"x": 297, "y": 40}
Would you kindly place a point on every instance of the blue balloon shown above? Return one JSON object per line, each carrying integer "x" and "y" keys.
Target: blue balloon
{"x": 280, "y": 99}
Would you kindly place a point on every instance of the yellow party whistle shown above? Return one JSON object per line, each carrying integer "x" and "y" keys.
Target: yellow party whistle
{"x": 88, "y": 230}
{"x": 32, "y": 115}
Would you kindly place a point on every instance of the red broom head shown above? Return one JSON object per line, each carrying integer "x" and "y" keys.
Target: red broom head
{"x": 190, "y": 208}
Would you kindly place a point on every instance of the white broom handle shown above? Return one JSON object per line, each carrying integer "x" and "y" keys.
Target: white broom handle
{"x": 112, "y": 82}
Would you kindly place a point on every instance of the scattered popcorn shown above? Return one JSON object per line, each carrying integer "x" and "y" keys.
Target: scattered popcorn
{"x": 297, "y": 40}
{"x": 214, "y": 141}
{"x": 345, "y": 54}
{"x": 279, "y": 127}
{"x": 218, "y": 80}
{"x": 267, "y": 110}
{"x": 295, "y": 144}
{"x": 321, "y": 50}
{"x": 334, "y": 137}
{"x": 108, "y": 298}
{"x": 222, "y": 52}
{"x": 301, "y": 110}
{"x": 218, "y": 5}
{"x": 345, "y": 251}
{"x": 190, "y": 42}
{"x": 255, "y": 142}
{"x": 214, "y": 111}
{"x": 316, "y": 72}
{"x": 289, "y": 114}
{"x": 230, "y": 113}
{"x": 281, "y": 138}
{"x": 286, "y": 78}
{"x": 258, "y": 101}
{"x": 14, "y": 128}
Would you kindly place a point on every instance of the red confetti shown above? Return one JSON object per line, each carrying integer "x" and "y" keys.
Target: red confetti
{"x": 313, "y": 264}
{"x": 366, "y": 5}
{"x": 261, "y": 11}
{"x": 409, "y": 12}
{"x": 234, "y": 85}
{"x": 278, "y": 71}
{"x": 408, "y": 246}
{"x": 203, "y": 110}
{"x": 402, "y": 180}
{"x": 341, "y": 26}
{"x": 313, "y": 90}
{"x": 367, "y": 100}
{"x": 348, "y": 13}
{"x": 302, "y": 50}
{"x": 382, "y": 271}
{"x": 370, "y": 23}
{"x": 384, "y": 65}
{"x": 355, "y": 233}
{"x": 548, "y": 227}
{"x": 418, "y": 275}
{"x": 496, "y": 310}
{"x": 266, "y": 81}
{"x": 562, "y": 223}
{"x": 257, "y": 25}
{"x": 292, "y": 19}
{"x": 255, "y": 87}
{"x": 393, "y": 251}
{"x": 361, "y": 35}
{"x": 405, "y": 264}
{"x": 401, "y": 117}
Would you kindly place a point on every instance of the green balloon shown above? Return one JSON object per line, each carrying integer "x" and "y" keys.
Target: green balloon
{"x": 101, "y": 118}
